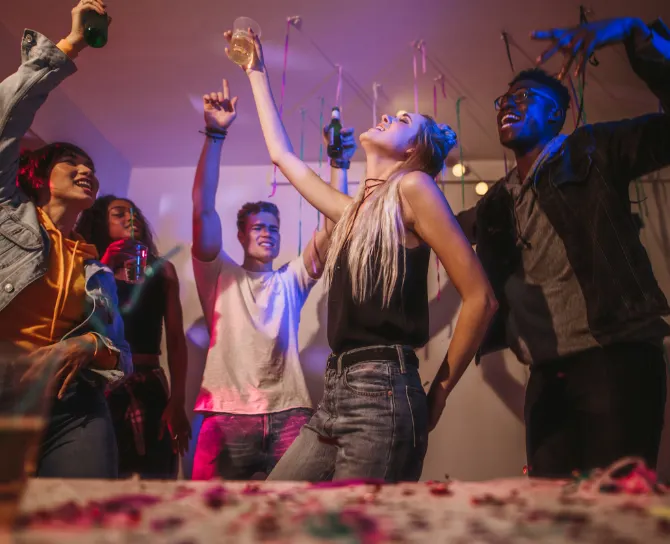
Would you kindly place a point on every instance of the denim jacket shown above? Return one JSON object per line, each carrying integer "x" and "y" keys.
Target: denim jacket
{"x": 583, "y": 189}
{"x": 24, "y": 243}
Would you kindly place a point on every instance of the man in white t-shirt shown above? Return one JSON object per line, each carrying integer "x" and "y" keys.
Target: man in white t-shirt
{"x": 253, "y": 392}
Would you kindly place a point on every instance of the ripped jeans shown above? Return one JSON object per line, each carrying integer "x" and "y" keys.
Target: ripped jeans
{"x": 371, "y": 423}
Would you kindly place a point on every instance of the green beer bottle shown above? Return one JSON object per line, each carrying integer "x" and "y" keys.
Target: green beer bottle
{"x": 95, "y": 28}
{"x": 334, "y": 138}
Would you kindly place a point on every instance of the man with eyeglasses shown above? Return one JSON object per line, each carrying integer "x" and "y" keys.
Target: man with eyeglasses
{"x": 578, "y": 299}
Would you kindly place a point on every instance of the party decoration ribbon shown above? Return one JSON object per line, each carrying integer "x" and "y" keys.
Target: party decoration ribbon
{"x": 437, "y": 259}
{"x": 505, "y": 38}
{"x": 375, "y": 97}
{"x": 593, "y": 61}
{"x": 338, "y": 90}
{"x": 290, "y": 21}
{"x": 318, "y": 213}
{"x": 440, "y": 79}
{"x": 575, "y": 101}
{"x": 581, "y": 88}
{"x": 418, "y": 45}
{"x": 460, "y": 146}
{"x": 303, "y": 112}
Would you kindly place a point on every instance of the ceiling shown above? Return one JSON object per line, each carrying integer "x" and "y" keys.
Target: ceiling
{"x": 142, "y": 92}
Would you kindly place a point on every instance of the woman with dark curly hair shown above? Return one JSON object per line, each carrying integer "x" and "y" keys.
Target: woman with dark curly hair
{"x": 57, "y": 302}
{"x": 142, "y": 406}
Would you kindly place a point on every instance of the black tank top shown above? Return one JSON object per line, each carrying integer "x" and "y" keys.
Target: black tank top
{"x": 143, "y": 316}
{"x": 404, "y": 321}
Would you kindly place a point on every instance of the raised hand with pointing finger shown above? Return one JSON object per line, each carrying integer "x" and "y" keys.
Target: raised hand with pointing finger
{"x": 220, "y": 110}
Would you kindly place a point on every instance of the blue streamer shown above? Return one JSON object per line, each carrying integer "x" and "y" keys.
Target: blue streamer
{"x": 302, "y": 155}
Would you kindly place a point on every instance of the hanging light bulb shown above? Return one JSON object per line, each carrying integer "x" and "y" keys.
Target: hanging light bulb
{"x": 459, "y": 170}
{"x": 481, "y": 188}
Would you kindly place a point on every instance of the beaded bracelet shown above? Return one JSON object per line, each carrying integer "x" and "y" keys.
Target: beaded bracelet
{"x": 216, "y": 135}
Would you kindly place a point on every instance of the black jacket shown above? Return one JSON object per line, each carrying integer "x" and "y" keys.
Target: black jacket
{"x": 583, "y": 190}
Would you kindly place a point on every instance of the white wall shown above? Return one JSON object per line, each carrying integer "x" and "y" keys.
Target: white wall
{"x": 481, "y": 434}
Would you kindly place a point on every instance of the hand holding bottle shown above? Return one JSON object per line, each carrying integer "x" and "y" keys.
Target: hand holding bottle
{"x": 76, "y": 37}
{"x": 348, "y": 147}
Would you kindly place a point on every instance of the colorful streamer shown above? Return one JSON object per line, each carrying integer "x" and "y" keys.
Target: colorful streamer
{"x": 419, "y": 45}
{"x": 375, "y": 99}
{"x": 581, "y": 114}
{"x": 460, "y": 146}
{"x": 440, "y": 79}
{"x": 290, "y": 21}
{"x": 422, "y": 47}
{"x": 338, "y": 90}
{"x": 303, "y": 112}
{"x": 416, "y": 84}
{"x": 593, "y": 61}
{"x": 437, "y": 259}
{"x": 575, "y": 101}
{"x": 321, "y": 126}
{"x": 505, "y": 38}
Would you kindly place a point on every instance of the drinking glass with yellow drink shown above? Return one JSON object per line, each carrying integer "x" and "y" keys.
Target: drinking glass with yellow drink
{"x": 241, "y": 50}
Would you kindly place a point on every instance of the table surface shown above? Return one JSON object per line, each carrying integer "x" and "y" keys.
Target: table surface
{"x": 185, "y": 512}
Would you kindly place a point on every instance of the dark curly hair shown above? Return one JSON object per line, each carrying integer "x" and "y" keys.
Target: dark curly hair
{"x": 538, "y": 75}
{"x": 252, "y": 208}
{"x": 93, "y": 225}
{"x": 35, "y": 166}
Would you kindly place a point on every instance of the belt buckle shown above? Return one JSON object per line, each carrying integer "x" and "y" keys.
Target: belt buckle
{"x": 332, "y": 360}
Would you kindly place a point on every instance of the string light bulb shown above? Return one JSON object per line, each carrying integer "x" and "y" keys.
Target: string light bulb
{"x": 459, "y": 170}
{"x": 481, "y": 188}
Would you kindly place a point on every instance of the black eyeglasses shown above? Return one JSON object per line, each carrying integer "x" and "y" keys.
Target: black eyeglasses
{"x": 520, "y": 96}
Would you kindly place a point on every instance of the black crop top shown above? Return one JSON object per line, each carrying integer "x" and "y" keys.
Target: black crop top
{"x": 143, "y": 318}
{"x": 404, "y": 321}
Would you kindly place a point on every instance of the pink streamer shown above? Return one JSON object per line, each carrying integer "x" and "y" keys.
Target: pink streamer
{"x": 338, "y": 91}
{"x": 423, "y": 56}
{"x": 289, "y": 22}
{"x": 283, "y": 77}
{"x": 416, "y": 85}
{"x": 418, "y": 45}
{"x": 437, "y": 259}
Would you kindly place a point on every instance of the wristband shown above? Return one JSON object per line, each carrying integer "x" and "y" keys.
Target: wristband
{"x": 214, "y": 134}
{"x": 340, "y": 163}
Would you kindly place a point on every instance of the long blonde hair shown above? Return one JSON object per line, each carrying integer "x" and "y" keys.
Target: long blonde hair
{"x": 372, "y": 233}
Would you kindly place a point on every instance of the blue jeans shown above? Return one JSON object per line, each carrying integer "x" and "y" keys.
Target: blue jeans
{"x": 79, "y": 440}
{"x": 371, "y": 423}
{"x": 237, "y": 446}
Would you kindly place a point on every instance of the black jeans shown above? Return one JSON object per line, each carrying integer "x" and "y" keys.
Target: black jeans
{"x": 79, "y": 440}
{"x": 587, "y": 410}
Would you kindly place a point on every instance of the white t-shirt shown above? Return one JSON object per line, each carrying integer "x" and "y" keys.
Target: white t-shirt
{"x": 253, "y": 364}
